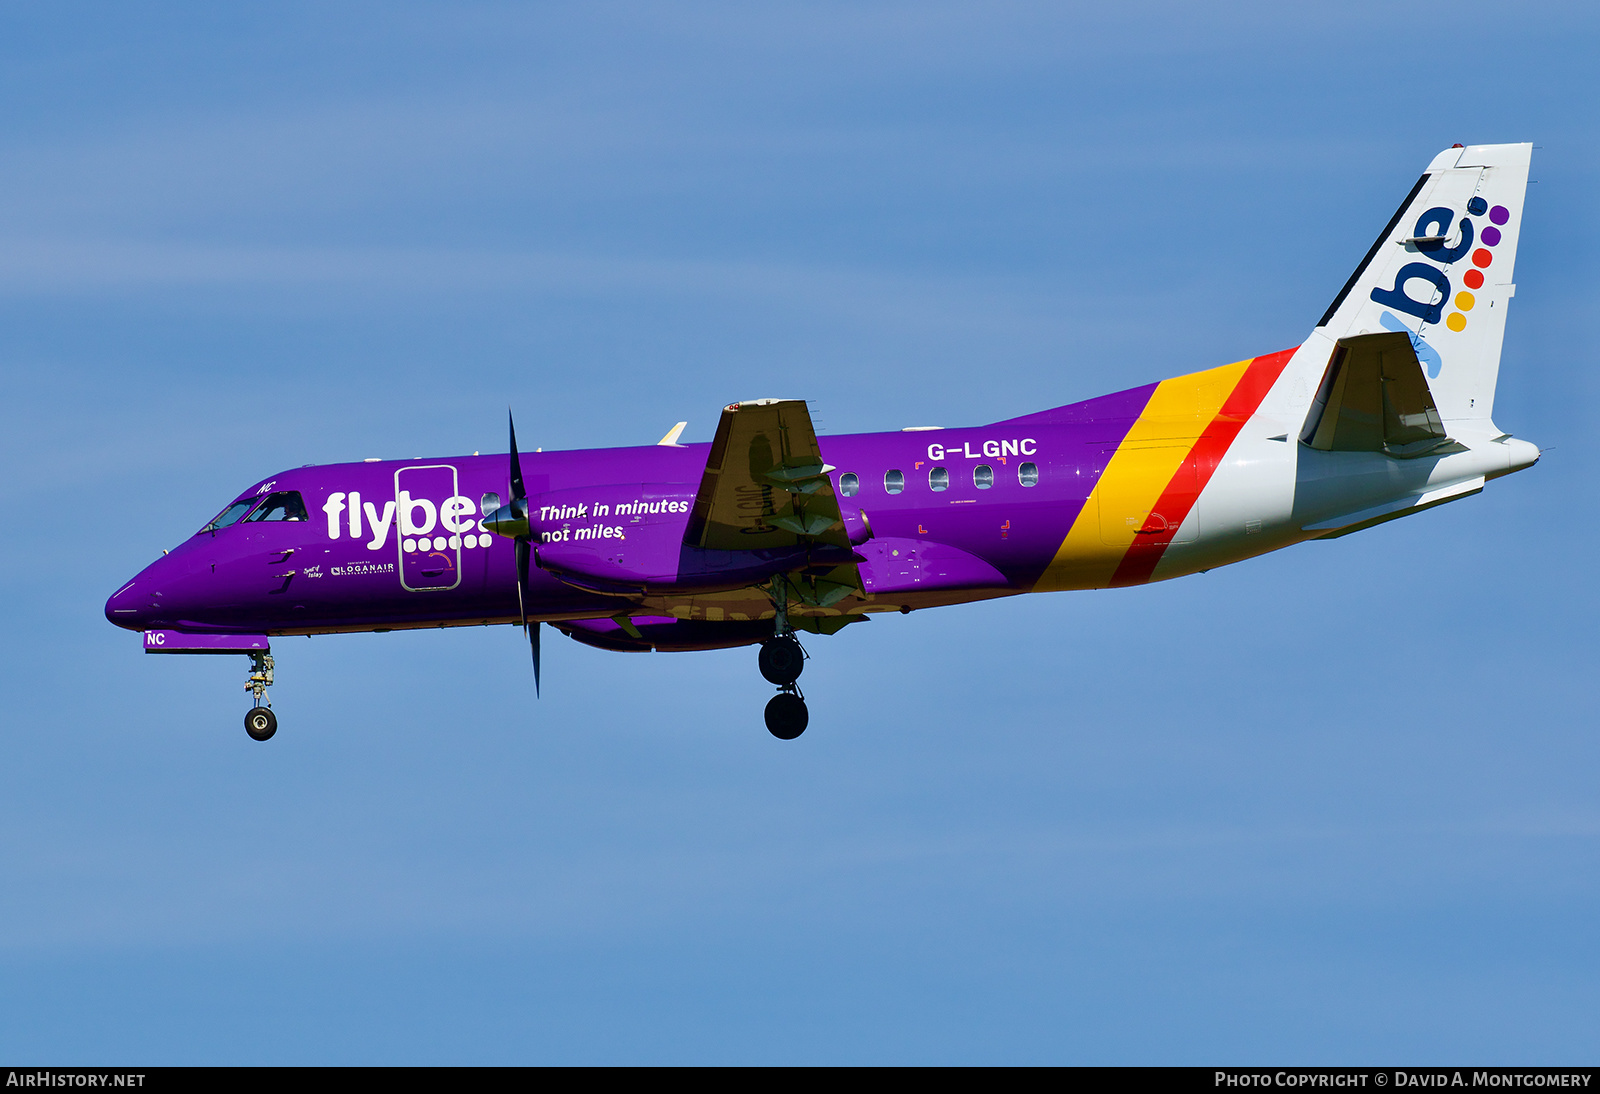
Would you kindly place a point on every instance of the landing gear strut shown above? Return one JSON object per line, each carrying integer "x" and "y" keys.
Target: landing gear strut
{"x": 781, "y": 662}
{"x": 260, "y": 722}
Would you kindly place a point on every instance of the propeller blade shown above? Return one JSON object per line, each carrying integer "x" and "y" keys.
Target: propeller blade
{"x": 533, "y": 640}
{"x": 518, "y": 510}
{"x": 518, "y": 491}
{"x": 523, "y": 550}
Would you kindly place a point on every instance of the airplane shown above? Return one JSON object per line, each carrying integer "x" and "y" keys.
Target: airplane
{"x": 770, "y": 530}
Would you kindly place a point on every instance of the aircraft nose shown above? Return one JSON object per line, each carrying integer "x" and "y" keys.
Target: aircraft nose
{"x": 126, "y": 606}
{"x": 140, "y": 602}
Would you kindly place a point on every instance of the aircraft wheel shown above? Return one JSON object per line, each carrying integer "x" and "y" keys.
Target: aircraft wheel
{"x": 260, "y": 723}
{"x": 782, "y": 660}
{"x": 786, "y": 716}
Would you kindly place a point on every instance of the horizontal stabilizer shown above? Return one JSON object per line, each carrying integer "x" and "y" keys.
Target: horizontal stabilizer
{"x": 1343, "y": 525}
{"x": 1374, "y": 398}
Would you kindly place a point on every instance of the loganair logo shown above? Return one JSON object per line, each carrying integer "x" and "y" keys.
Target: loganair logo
{"x": 1431, "y": 235}
{"x": 423, "y": 523}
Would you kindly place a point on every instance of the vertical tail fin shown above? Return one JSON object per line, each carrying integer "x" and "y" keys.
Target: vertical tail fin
{"x": 1442, "y": 272}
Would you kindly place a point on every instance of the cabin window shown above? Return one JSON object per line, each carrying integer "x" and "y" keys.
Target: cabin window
{"x": 849, "y": 485}
{"x": 938, "y": 479}
{"x": 230, "y": 515}
{"x": 1028, "y": 474}
{"x": 983, "y": 476}
{"x": 894, "y": 481}
{"x": 284, "y": 505}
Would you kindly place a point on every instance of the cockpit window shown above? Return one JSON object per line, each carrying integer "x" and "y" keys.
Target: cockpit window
{"x": 284, "y": 505}
{"x": 230, "y": 515}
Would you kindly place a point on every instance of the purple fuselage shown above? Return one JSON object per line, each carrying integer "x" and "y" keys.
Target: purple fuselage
{"x": 398, "y": 544}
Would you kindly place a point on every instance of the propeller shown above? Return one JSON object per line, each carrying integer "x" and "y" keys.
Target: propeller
{"x": 511, "y": 520}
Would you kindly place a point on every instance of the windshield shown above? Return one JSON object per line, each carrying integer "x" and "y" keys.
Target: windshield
{"x": 230, "y": 515}
{"x": 284, "y": 505}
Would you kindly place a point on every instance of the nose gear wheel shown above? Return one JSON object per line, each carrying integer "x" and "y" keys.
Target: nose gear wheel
{"x": 260, "y": 723}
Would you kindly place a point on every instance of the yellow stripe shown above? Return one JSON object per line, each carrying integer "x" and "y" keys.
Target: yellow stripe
{"x": 1178, "y": 412}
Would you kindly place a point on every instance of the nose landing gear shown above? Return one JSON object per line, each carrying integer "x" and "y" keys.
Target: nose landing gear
{"x": 259, "y": 721}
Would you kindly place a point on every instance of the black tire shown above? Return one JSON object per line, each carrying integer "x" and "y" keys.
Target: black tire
{"x": 260, "y": 723}
{"x": 782, "y": 660}
{"x": 786, "y": 716}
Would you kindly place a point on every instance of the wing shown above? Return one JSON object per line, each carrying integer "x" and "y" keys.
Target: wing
{"x": 765, "y": 487}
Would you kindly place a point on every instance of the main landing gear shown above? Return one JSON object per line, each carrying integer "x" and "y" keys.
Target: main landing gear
{"x": 782, "y": 661}
{"x": 260, "y": 722}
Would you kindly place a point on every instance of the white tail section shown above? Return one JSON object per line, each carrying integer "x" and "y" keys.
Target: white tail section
{"x": 1442, "y": 272}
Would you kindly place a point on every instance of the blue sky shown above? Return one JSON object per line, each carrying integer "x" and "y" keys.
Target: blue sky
{"x": 1335, "y": 805}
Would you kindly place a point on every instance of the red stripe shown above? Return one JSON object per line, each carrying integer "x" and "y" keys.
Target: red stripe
{"x": 1198, "y": 467}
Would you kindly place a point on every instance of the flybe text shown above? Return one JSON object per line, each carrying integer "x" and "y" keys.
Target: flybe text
{"x": 992, "y": 450}
{"x": 416, "y": 516}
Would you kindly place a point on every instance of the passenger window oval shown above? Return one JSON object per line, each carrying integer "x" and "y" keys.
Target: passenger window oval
{"x": 938, "y": 479}
{"x": 983, "y": 476}
{"x": 849, "y": 485}
{"x": 894, "y": 481}
{"x": 1028, "y": 474}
